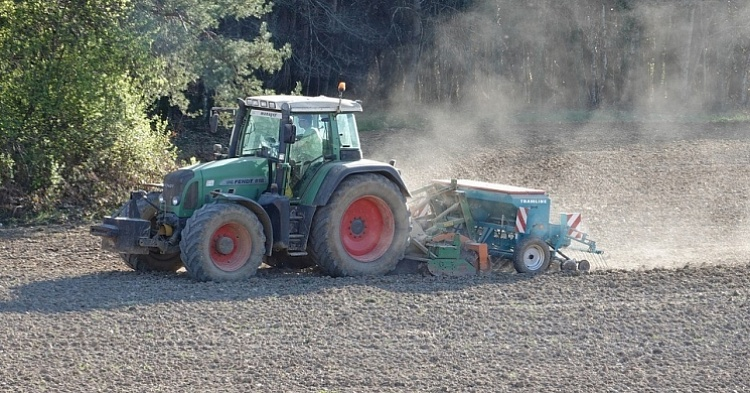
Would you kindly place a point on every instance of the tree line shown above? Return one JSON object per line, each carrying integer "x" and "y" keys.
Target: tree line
{"x": 540, "y": 53}
{"x": 89, "y": 88}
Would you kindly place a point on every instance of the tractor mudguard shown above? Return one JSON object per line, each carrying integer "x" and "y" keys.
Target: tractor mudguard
{"x": 256, "y": 208}
{"x": 330, "y": 179}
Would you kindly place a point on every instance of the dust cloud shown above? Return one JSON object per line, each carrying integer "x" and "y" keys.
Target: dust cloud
{"x": 658, "y": 183}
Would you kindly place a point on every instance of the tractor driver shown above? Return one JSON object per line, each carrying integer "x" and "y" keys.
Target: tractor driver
{"x": 305, "y": 125}
{"x": 309, "y": 145}
{"x": 307, "y": 149}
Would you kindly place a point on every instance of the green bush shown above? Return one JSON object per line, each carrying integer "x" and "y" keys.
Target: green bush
{"x": 73, "y": 134}
{"x": 6, "y": 168}
{"x": 136, "y": 152}
{"x": 89, "y": 169}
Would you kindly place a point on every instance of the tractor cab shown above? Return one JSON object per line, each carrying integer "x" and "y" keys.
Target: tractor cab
{"x": 297, "y": 135}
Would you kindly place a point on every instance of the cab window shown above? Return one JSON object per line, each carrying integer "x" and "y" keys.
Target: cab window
{"x": 347, "y": 127}
{"x": 314, "y": 145}
{"x": 313, "y": 138}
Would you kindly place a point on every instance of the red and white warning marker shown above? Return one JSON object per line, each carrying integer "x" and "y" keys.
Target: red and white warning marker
{"x": 521, "y": 219}
{"x": 574, "y": 225}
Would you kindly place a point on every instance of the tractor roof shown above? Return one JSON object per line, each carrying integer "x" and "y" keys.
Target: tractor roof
{"x": 304, "y": 104}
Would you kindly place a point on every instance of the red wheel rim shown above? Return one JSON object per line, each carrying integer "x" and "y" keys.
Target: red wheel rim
{"x": 367, "y": 229}
{"x": 230, "y": 247}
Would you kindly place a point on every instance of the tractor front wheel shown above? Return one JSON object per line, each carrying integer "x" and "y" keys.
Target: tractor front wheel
{"x": 222, "y": 242}
{"x": 363, "y": 230}
{"x": 531, "y": 256}
{"x": 153, "y": 261}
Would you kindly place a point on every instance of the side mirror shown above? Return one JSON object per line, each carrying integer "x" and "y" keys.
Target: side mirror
{"x": 214, "y": 122}
{"x": 288, "y": 129}
{"x": 290, "y": 133}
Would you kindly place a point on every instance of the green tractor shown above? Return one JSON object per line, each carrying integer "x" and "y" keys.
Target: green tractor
{"x": 291, "y": 189}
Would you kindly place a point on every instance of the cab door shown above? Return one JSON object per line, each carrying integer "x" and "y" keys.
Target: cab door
{"x": 312, "y": 148}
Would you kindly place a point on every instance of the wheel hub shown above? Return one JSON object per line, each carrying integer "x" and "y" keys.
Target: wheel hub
{"x": 224, "y": 245}
{"x": 367, "y": 228}
{"x": 533, "y": 258}
{"x": 357, "y": 227}
{"x": 231, "y": 246}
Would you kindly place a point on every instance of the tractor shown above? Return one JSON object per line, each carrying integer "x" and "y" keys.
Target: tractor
{"x": 291, "y": 189}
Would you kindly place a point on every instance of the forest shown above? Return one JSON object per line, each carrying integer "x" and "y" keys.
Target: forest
{"x": 90, "y": 90}
{"x": 554, "y": 54}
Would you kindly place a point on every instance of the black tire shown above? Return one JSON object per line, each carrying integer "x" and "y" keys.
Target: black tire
{"x": 153, "y": 261}
{"x": 363, "y": 230}
{"x": 531, "y": 256}
{"x": 222, "y": 242}
{"x": 584, "y": 266}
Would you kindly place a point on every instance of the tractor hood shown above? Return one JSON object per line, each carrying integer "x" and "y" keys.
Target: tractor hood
{"x": 234, "y": 172}
{"x": 222, "y": 164}
{"x": 189, "y": 188}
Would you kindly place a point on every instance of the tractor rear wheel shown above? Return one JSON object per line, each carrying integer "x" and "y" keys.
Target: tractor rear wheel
{"x": 363, "y": 230}
{"x": 153, "y": 261}
{"x": 531, "y": 256}
{"x": 222, "y": 242}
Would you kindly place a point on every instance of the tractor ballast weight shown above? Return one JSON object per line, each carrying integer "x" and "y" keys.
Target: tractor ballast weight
{"x": 486, "y": 223}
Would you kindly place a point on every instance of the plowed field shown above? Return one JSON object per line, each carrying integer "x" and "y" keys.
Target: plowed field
{"x": 666, "y": 310}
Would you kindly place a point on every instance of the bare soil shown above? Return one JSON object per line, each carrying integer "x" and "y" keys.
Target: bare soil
{"x": 666, "y": 310}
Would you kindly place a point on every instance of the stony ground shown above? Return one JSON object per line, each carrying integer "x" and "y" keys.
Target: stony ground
{"x": 666, "y": 310}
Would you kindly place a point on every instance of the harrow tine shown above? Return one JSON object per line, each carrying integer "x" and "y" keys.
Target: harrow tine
{"x": 600, "y": 261}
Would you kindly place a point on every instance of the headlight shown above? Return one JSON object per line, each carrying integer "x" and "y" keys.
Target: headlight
{"x": 161, "y": 199}
{"x": 175, "y": 200}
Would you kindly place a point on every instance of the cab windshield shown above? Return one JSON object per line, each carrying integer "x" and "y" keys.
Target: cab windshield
{"x": 261, "y": 131}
